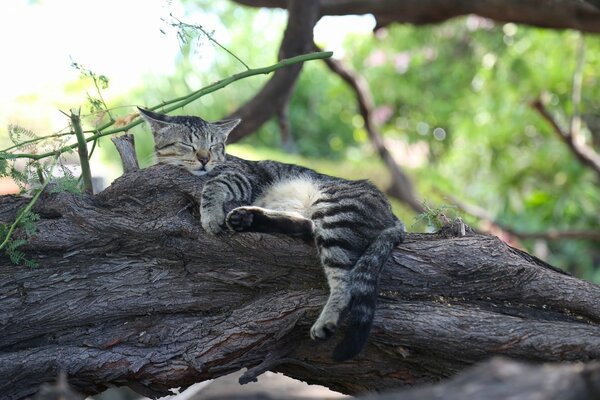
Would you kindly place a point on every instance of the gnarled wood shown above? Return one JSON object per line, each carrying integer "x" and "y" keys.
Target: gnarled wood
{"x": 130, "y": 291}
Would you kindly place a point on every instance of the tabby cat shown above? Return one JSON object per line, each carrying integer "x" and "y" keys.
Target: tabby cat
{"x": 350, "y": 222}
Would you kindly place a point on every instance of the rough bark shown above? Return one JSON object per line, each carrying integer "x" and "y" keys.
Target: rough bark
{"x": 125, "y": 145}
{"x": 130, "y": 291}
{"x": 556, "y": 14}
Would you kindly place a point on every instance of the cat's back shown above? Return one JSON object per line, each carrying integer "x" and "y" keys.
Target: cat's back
{"x": 323, "y": 197}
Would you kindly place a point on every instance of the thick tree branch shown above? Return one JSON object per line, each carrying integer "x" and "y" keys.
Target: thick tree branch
{"x": 297, "y": 39}
{"x": 556, "y": 14}
{"x": 401, "y": 187}
{"x": 130, "y": 291}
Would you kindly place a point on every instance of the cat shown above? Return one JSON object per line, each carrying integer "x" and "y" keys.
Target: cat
{"x": 350, "y": 222}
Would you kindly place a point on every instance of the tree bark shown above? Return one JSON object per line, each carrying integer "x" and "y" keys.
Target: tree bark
{"x": 130, "y": 291}
{"x": 556, "y": 14}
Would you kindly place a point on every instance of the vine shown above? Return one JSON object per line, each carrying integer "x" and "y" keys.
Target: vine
{"x": 37, "y": 172}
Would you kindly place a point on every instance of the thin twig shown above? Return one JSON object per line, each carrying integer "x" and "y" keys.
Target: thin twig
{"x": 572, "y": 138}
{"x": 208, "y": 35}
{"x": 39, "y": 139}
{"x": 86, "y": 172}
{"x": 585, "y": 154}
{"x": 184, "y": 100}
{"x": 553, "y": 234}
{"x": 22, "y": 213}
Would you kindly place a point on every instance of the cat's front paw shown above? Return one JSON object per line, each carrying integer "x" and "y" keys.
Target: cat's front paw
{"x": 213, "y": 222}
{"x": 240, "y": 219}
{"x": 323, "y": 330}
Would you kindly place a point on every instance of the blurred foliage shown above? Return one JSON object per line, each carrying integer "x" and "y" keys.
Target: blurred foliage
{"x": 452, "y": 103}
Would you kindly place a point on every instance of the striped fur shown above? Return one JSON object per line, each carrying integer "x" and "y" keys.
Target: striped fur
{"x": 350, "y": 222}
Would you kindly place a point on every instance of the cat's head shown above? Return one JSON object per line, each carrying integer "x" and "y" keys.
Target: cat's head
{"x": 190, "y": 142}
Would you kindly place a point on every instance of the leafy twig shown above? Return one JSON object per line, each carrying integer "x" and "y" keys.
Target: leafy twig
{"x": 180, "y": 24}
{"x": 182, "y": 101}
{"x": 22, "y": 213}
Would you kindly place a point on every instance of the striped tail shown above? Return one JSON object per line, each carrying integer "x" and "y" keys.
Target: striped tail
{"x": 364, "y": 279}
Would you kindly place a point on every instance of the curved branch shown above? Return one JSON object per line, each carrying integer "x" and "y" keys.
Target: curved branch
{"x": 402, "y": 187}
{"x": 584, "y": 153}
{"x": 297, "y": 39}
{"x": 130, "y": 291}
{"x": 556, "y": 14}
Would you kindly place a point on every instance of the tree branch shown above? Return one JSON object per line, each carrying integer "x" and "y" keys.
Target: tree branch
{"x": 584, "y": 153}
{"x": 130, "y": 291}
{"x": 297, "y": 39}
{"x": 401, "y": 187}
{"x": 556, "y": 14}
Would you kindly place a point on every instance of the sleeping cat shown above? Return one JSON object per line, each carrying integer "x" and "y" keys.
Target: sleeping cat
{"x": 350, "y": 222}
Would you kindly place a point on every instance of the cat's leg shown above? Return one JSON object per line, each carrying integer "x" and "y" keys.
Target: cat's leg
{"x": 220, "y": 195}
{"x": 258, "y": 219}
{"x": 339, "y": 299}
{"x": 339, "y": 245}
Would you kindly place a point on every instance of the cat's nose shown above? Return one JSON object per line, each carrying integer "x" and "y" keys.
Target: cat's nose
{"x": 203, "y": 157}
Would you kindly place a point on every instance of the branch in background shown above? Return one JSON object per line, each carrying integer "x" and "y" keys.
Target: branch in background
{"x": 556, "y": 14}
{"x": 287, "y": 140}
{"x": 297, "y": 39}
{"x": 575, "y": 125}
{"x": 401, "y": 187}
{"x": 86, "y": 173}
{"x": 584, "y": 153}
{"x": 507, "y": 232}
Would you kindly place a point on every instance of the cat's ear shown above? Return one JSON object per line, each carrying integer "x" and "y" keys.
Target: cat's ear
{"x": 157, "y": 121}
{"x": 224, "y": 127}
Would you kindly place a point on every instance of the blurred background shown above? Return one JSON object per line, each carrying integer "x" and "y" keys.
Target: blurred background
{"x": 454, "y": 103}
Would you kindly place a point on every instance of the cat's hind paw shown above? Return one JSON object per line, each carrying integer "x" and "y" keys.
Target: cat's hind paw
{"x": 323, "y": 331}
{"x": 240, "y": 219}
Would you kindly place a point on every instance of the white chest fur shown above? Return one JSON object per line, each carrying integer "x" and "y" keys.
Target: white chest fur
{"x": 294, "y": 195}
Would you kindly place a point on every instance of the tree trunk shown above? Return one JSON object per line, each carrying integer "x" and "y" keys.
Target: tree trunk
{"x": 130, "y": 291}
